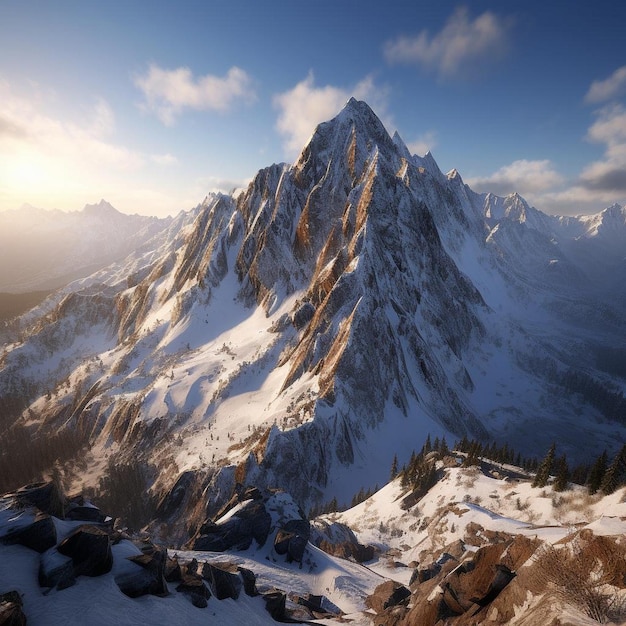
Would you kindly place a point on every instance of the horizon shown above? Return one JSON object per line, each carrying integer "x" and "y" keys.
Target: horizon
{"x": 152, "y": 108}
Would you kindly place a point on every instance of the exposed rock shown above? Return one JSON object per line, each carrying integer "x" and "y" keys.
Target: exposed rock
{"x": 11, "y": 612}
{"x": 388, "y": 594}
{"x": 319, "y": 605}
{"x": 252, "y": 521}
{"x": 292, "y": 539}
{"x": 56, "y": 570}
{"x": 48, "y": 497}
{"x": 194, "y": 587}
{"x": 303, "y": 315}
{"x": 172, "y": 570}
{"x": 40, "y": 535}
{"x": 90, "y": 549}
{"x": 85, "y": 512}
{"x": 249, "y": 581}
{"x": 150, "y": 579}
{"x": 224, "y": 580}
{"x": 275, "y": 603}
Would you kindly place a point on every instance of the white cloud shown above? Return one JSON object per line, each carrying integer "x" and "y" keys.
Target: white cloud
{"x": 164, "y": 159}
{"x": 522, "y": 176}
{"x": 423, "y": 144}
{"x": 604, "y": 90}
{"x": 457, "y": 48}
{"x": 302, "y": 108}
{"x": 608, "y": 174}
{"x": 169, "y": 92}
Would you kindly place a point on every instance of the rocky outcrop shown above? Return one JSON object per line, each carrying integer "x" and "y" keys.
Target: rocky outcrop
{"x": 90, "y": 550}
{"x": 11, "y": 611}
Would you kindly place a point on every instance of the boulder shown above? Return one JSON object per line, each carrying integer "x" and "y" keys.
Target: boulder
{"x": 249, "y": 581}
{"x": 90, "y": 549}
{"x": 56, "y": 570}
{"x": 291, "y": 540}
{"x": 319, "y": 605}
{"x": 250, "y": 522}
{"x": 11, "y": 612}
{"x": 172, "y": 570}
{"x": 223, "y": 579}
{"x": 48, "y": 497}
{"x": 195, "y": 589}
{"x": 275, "y": 604}
{"x": 388, "y": 594}
{"x": 40, "y": 535}
{"x": 149, "y": 580}
{"x": 84, "y": 512}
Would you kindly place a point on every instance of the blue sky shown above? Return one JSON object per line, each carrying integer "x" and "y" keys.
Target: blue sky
{"x": 151, "y": 105}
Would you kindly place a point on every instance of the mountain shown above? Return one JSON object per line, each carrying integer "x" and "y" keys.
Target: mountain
{"x": 301, "y": 334}
{"x": 43, "y": 250}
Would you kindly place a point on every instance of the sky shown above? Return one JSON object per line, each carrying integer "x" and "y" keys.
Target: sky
{"x": 153, "y": 104}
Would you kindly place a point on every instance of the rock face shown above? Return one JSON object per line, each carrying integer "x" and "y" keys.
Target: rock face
{"x": 11, "y": 613}
{"x": 291, "y": 540}
{"x": 90, "y": 550}
{"x": 40, "y": 535}
{"x": 362, "y": 290}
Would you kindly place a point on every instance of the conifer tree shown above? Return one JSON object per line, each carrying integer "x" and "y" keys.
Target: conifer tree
{"x": 443, "y": 447}
{"x": 596, "y": 474}
{"x": 562, "y": 474}
{"x": 394, "y": 466}
{"x": 544, "y": 469}
{"x": 614, "y": 475}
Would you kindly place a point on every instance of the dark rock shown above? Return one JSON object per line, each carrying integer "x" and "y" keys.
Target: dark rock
{"x": 275, "y": 603}
{"x": 250, "y": 522}
{"x": 192, "y": 567}
{"x": 426, "y": 573}
{"x": 303, "y": 315}
{"x": 48, "y": 497}
{"x": 249, "y": 581}
{"x": 320, "y": 605}
{"x": 172, "y": 570}
{"x": 85, "y": 514}
{"x": 150, "y": 580}
{"x": 56, "y": 570}
{"x": 224, "y": 580}
{"x": 172, "y": 501}
{"x": 193, "y": 587}
{"x": 292, "y": 539}
{"x": 501, "y": 579}
{"x": 90, "y": 549}
{"x": 40, "y": 535}
{"x": 11, "y": 612}
{"x": 388, "y": 594}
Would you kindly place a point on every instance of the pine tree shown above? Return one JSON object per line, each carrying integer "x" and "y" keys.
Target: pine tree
{"x": 614, "y": 475}
{"x": 562, "y": 474}
{"x": 394, "y": 466}
{"x": 596, "y": 474}
{"x": 427, "y": 445}
{"x": 443, "y": 447}
{"x": 543, "y": 471}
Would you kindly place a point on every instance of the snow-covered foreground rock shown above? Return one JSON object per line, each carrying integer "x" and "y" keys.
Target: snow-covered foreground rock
{"x": 481, "y": 546}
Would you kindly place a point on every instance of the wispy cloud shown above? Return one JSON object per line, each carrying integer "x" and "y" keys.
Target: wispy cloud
{"x": 458, "y": 47}
{"x": 522, "y": 176}
{"x": 169, "y": 92}
{"x": 306, "y": 105}
{"x": 607, "y": 89}
{"x": 423, "y": 144}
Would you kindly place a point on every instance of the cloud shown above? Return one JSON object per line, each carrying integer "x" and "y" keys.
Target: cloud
{"x": 302, "y": 108}
{"x": 168, "y": 92}
{"x": 522, "y": 176}
{"x": 457, "y": 48}
{"x": 608, "y": 174}
{"x": 607, "y": 89}
{"x": 164, "y": 159}
{"x": 423, "y": 144}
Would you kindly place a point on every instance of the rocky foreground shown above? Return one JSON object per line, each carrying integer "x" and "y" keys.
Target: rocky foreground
{"x": 480, "y": 545}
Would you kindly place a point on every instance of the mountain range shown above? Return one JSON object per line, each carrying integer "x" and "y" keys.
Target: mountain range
{"x": 304, "y": 332}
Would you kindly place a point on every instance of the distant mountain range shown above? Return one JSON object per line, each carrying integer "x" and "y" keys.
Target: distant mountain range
{"x": 43, "y": 250}
{"x": 301, "y": 334}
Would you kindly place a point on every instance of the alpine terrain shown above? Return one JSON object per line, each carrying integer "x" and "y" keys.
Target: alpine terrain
{"x": 302, "y": 333}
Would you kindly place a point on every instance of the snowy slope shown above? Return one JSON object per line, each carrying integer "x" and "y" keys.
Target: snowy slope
{"x": 303, "y": 333}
